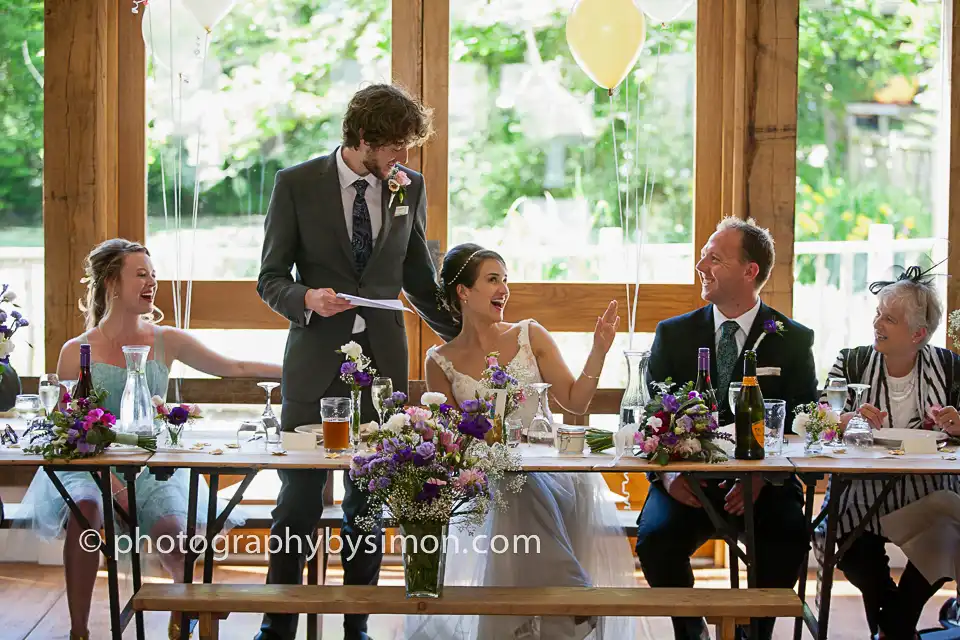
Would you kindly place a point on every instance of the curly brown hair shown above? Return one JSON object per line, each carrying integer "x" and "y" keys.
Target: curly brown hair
{"x": 101, "y": 268}
{"x": 385, "y": 114}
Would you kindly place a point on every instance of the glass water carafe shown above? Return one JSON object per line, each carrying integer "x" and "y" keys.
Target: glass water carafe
{"x": 136, "y": 408}
{"x": 636, "y": 395}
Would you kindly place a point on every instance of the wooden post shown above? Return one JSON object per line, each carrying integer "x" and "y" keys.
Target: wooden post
{"x": 952, "y": 22}
{"x": 769, "y": 157}
{"x": 80, "y": 163}
{"x": 132, "y": 126}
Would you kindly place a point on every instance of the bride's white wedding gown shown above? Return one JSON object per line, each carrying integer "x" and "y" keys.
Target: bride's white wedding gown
{"x": 572, "y": 515}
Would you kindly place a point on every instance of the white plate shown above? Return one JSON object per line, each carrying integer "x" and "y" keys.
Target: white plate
{"x": 315, "y": 429}
{"x": 895, "y": 437}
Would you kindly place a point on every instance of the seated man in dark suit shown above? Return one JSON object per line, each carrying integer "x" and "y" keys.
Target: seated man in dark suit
{"x": 734, "y": 265}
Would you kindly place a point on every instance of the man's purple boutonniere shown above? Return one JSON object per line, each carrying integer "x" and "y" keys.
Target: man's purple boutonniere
{"x": 769, "y": 326}
{"x": 397, "y": 182}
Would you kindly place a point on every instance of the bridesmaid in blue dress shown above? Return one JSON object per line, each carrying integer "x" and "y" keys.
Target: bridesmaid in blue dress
{"x": 119, "y": 310}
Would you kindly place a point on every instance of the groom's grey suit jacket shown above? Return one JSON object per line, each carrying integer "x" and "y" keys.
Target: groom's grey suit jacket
{"x": 306, "y": 228}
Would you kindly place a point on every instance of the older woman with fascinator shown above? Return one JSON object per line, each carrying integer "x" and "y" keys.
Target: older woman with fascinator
{"x": 912, "y": 385}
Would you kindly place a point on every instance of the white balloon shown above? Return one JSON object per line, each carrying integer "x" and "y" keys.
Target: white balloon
{"x": 174, "y": 37}
{"x": 662, "y": 11}
{"x": 209, "y": 12}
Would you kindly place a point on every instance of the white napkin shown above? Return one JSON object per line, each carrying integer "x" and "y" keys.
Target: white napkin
{"x": 928, "y": 532}
{"x": 623, "y": 440}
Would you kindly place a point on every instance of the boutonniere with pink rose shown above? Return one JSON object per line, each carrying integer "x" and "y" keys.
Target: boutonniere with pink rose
{"x": 397, "y": 182}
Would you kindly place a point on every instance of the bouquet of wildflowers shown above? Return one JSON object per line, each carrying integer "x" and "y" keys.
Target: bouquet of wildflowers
{"x": 680, "y": 427}
{"x": 432, "y": 465}
{"x": 10, "y": 322}
{"x": 175, "y": 417}
{"x": 81, "y": 430}
{"x": 495, "y": 376}
{"x": 356, "y": 370}
{"x": 818, "y": 420}
{"x": 676, "y": 426}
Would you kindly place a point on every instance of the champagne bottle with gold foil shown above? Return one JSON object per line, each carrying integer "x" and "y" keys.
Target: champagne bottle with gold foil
{"x": 749, "y": 413}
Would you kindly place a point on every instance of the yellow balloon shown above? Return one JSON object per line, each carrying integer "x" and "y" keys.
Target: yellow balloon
{"x": 606, "y": 38}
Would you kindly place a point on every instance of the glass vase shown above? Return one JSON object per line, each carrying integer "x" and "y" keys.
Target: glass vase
{"x": 636, "y": 395}
{"x": 175, "y": 436}
{"x": 136, "y": 409}
{"x": 355, "y": 418}
{"x": 812, "y": 443}
{"x": 424, "y": 558}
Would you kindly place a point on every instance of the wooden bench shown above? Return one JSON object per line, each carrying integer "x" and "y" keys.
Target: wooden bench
{"x": 724, "y": 607}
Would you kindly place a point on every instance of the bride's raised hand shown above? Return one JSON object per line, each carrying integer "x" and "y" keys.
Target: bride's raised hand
{"x": 607, "y": 326}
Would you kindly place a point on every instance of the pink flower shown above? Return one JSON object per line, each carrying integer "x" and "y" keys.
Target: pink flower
{"x": 447, "y": 441}
{"x": 157, "y": 401}
{"x": 436, "y": 481}
{"x": 402, "y": 178}
{"x": 492, "y": 361}
{"x": 110, "y": 419}
{"x": 194, "y": 411}
{"x": 418, "y": 414}
{"x": 426, "y": 433}
{"x": 650, "y": 444}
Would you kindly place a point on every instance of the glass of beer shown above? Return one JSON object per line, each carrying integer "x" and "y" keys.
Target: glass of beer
{"x": 336, "y": 424}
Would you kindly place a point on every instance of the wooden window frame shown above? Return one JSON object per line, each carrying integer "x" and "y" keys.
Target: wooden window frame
{"x": 745, "y": 163}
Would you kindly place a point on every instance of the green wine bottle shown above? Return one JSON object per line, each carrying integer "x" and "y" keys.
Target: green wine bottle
{"x": 749, "y": 413}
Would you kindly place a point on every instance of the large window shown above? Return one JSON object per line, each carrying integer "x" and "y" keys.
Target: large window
{"x": 534, "y": 148}
{"x": 21, "y": 172}
{"x": 276, "y": 83}
{"x": 871, "y": 170}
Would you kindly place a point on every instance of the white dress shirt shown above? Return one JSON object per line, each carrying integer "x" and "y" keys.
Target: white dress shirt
{"x": 348, "y": 194}
{"x": 745, "y": 321}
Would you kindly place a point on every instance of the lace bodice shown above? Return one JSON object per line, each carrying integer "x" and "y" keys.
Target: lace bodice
{"x": 523, "y": 367}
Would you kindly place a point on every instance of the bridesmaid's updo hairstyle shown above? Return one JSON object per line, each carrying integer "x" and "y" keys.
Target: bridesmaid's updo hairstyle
{"x": 461, "y": 265}
{"x": 101, "y": 268}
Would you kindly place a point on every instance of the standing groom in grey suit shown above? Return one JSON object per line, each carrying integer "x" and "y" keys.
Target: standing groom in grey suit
{"x": 336, "y": 220}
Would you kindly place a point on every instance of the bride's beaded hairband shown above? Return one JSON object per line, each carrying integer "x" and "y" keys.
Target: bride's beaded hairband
{"x": 441, "y": 290}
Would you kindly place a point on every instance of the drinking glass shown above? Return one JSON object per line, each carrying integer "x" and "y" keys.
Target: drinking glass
{"x": 380, "y": 390}
{"x": 68, "y": 386}
{"x": 540, "y": 430}
{"x": 49, "y": 392}
{"x": 858, "y": 433}
{"x": 268, "y": 417}
{"x": 28, "y": 406}
{"x": 514, "y": 428}
{"x": 774, "y": 413}
{"x": 836, "y": 393}
{"x": 733, "y": 394}
{"x": 336, "y": 414}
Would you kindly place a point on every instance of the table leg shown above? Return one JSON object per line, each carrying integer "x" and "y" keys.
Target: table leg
{"x": 189, "y": 556}
{"x": 811, "y": 487}
{"x": 131, "y": 479}
{"x": 211, "y": 529}
{"x": 750, "y": 542}
{"x": 113, "y": 583}
{"x": 829, "y": 557}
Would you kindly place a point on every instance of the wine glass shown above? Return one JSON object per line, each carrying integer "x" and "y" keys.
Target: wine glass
{"x": 49, "y": 392}
{"x": 858, "y": 433}
{"x": 836, "y": 392}
{"x": 28, "y": 406}
{"x": 733, "y": 394}
{"x": 540, "y": 430}
{"x": 68, "y": 386}
{"x": 268, "y": 417}
{"x": 380, "y": 390}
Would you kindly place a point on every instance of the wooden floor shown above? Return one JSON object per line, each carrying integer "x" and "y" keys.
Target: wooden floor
{"x": 34, "y": 607}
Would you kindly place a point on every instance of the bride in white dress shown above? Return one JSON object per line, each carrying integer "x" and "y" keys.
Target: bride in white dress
{"x": 580, "y": 540}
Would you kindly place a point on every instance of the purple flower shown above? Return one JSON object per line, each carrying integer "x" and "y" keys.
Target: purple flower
{"x": 23, "y": 322}
{"x": 362, "y": 378}
{"x": 429, "y": 492}
{"x": 470, "y": 406}
{"x": 770, "y": 326}
{"x": 383, "y": 483}
{"x": 3, "y": 316}
{"x": 670, "y": 403}
{"x": 73, "y": 435}
{"x": 475, "y": 425}
{"x": 372, "y": 485}
{"x": 692, "y": 395}
{"x": 15, "y": 314}
{"x": 178, "y": 416}
{"x": 685, "y": 423}
{"x": 445, "y": 409}
{"x": 399, "y": 397}
{"x": 427, "y": 449}
{"x": 85, "y": 447}
{"x": 348, "y": 368}
{"x": 499, "y": 377}
{"x": 670, "y": 439}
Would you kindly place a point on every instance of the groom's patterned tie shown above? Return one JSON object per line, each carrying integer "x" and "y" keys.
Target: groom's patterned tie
{"x": 727, "y": 354}
{"x": 362, "y": 241}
